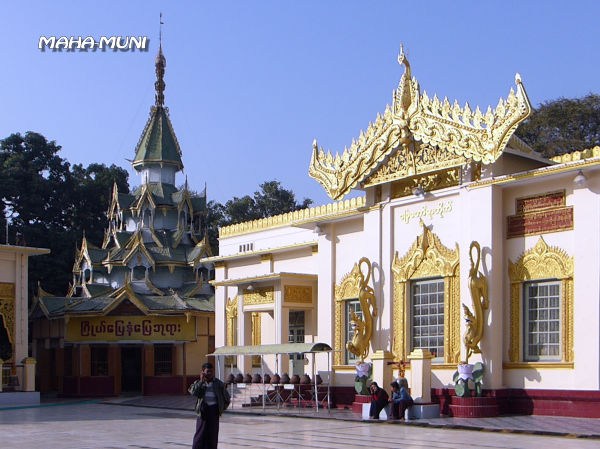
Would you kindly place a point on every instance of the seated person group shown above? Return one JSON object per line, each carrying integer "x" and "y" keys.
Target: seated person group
{"x": 399, "y": 401}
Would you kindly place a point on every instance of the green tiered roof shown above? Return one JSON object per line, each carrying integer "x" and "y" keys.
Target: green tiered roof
{"x": 158, "y": 143}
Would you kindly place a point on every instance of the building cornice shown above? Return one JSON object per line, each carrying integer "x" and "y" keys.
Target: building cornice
{"x": 312, "y": 214}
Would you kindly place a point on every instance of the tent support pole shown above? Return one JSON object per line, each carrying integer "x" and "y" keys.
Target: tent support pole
{"x": 262, "y": 368}
{"x": 315, "y": 382}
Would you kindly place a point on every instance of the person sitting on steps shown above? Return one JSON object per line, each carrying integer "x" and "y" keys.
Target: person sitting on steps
{"x": 400, "y": 400}
{"x": 379, "y": 399}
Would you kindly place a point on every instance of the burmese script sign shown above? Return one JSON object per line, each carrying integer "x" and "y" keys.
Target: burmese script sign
{"x": 427, "y": 211}
{"x": 539, "y": 202}
{"x": 540, "y": 214}
{"x": 116, "y": 328}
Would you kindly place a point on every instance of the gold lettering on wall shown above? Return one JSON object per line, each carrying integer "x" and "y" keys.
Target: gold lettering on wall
{"x": 427, "y": 211}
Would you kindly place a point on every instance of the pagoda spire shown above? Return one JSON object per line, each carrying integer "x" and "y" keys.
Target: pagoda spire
{"x": 158, "y": 148}
{"x": 161, "y": 64}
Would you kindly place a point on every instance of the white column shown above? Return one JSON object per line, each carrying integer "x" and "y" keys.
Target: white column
{"x": 282, "y": 328}
{"x": 29, "y": 374}
{"x": 420, "y": 372}
{"x": 220, "y": 301}
{"x": 482, "y": 218}
{"x": 325, "y": 290}
{"x": 382, "y": 372}
{"x": 586, "y": 283}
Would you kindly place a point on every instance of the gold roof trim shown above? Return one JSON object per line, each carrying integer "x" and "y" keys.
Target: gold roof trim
{"x": 577, "y": 155}
{"x": 416, "y": 118}
{"x": 331, "y": 209}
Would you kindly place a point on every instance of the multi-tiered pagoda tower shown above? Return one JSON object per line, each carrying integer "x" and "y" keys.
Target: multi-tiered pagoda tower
{"x": 140, "y": 312}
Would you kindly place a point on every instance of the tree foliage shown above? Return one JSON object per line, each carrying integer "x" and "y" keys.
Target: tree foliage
{"x": 51, "y": 204}
{"x": 564, "y": 125}
{"x": 271, "y": 199}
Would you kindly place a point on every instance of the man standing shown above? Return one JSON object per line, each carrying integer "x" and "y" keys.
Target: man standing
{"x": 213, "y": 399}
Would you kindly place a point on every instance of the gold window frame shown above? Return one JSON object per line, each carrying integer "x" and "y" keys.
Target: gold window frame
{"x": 347, "y": 289}
{"x": 7, "y": 310}
{"x": 427, "y": 258}
{"x": 542, "y": 262}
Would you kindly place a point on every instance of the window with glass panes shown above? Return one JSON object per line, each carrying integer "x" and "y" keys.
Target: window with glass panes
{"x": 427, "y": 315}
{"x": 352, "y": 305}
{"x": 163, "y": 360}
{"x": 296, "y": 329}
{"x": 542, "y": 320}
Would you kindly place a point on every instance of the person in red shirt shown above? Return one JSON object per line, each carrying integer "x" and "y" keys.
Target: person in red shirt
{"x": 379, "y": 399}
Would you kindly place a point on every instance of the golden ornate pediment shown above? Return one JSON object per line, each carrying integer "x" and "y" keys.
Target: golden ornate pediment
{"x": 349, "y": 286}
{"x": 541, "y": 262}
{"x": 427, "y": 257}
{"x": 416, "y": 119}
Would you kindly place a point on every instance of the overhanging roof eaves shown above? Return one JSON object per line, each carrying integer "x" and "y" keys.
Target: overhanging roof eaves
{"x": 274, "y": 250}
{"x": 286, "y": 348}
{"x": 264, "y": 277}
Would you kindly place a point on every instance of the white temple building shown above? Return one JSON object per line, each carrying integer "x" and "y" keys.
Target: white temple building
{"x": 436, "y": 177}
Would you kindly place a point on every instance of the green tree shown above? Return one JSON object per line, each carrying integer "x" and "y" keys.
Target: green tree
{"x": 49, "y": 204}
{"x": 271, "y": 199}
{"x": 564, "y": 125}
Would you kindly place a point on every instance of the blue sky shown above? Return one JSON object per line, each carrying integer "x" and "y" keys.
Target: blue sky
{"x": 250, "y": 84}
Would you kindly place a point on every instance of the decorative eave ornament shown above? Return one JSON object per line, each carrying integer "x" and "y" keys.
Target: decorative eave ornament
{"x": 416, "y": 118}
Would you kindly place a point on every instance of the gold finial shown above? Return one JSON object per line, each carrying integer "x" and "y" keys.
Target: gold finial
{"x": 160, "y": 63}
{"x": 403, "y": 59}
{"x": 401, "y": 55}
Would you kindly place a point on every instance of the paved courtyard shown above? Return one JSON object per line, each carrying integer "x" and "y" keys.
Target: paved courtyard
{"x": 101, "y": 425}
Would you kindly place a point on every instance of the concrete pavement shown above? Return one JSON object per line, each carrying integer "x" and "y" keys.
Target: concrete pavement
{"x": 92, "y": 425}
{"x": 535, "y": 425}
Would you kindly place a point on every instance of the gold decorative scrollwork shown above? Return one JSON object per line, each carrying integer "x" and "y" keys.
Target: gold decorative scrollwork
{"x": 258, "y": 296}
{"x": 298, "y": 293}
{"x": 231, "y": 309}
{"x": 411, "y": 161}
{"x": 363, "y": 328}
{"x": 427, "y": 258}
{"x": 7, "y": 311}
{"x": 427, "y": 182}
{"x": 541, "y": 262}
{"x": 478, "y": 287}
{"x": 348, "y": 288}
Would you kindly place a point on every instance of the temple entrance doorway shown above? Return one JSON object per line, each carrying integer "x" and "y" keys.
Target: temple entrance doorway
{"x": 296, "y": 327}
{"x": 131, "y": 368}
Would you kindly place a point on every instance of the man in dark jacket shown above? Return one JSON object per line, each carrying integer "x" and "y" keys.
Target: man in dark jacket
{"x": 213, "y": 399}
{"x": 379, "y": 399}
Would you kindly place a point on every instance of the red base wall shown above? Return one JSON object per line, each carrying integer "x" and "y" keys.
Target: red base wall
{"x": 516, "y": 401}
{"x": 89, "y": 387}
{"x": 154, "y": 385}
